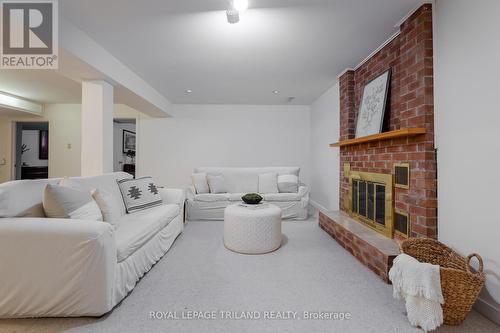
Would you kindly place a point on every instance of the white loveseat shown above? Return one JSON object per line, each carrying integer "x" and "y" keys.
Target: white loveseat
{"x": 238, "y": 182}
{"x": 62, "y": 267}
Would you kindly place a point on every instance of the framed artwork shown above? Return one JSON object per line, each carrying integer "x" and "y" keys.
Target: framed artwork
{"x": 373, "y": 104}
{"x": 43, "y": 145}
{"x": 128, "y": 141}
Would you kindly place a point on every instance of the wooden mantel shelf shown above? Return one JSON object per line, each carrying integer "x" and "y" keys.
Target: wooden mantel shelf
{"x": 405, "y": 132}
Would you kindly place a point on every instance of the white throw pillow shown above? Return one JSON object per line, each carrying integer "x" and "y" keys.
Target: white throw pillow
{"x": 139, "y": 194}
{"x": 216, "y": 184}
{"x": 109, "y": 205}
{"x": 268, "y": 182}
{"x": 69, "y": 203}
{"x": 200, "y": 183}
{"x": 288, "y": 183}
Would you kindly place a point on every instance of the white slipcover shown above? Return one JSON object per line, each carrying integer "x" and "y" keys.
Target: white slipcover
{"x": 240, "y": 181}
{"x": 136, "y": 229}
{"x": 23, "y": 198}
{"x": 63, "y": 268}
{"x": 245, "y": 180}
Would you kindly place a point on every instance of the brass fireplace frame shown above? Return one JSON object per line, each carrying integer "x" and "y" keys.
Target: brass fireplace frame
{"x": 384, "y": 179}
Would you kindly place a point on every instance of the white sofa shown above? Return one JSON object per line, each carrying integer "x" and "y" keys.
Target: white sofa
{"x": 238, "y": 182}
{"x": 66, "y": 268}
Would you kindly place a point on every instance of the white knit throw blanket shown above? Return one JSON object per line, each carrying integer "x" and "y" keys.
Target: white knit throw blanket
{"x": 420, "y": 285}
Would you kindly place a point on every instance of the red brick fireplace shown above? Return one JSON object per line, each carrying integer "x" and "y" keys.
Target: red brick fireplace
{"x": 409, "y": 113}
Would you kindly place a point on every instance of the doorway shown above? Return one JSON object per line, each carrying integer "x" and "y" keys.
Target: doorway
{"x": 124, "y": 145}
{"x": 32, "y": 150}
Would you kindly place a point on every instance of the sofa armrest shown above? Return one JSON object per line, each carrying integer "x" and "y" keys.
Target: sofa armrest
{"x": 304, "y": 196}
{"x": 56, "y": 267}
{"x": 190, "y": 192}
{"x": 173, "y": 196}
{"x": 303, "y": 190}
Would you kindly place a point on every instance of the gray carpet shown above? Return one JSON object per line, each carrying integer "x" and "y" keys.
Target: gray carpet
{"x": 310, "y": 272}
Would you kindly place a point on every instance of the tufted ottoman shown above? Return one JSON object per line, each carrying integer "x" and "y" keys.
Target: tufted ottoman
{"x": 252, "y": 230}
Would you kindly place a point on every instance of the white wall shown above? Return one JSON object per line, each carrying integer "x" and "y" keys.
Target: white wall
{"x": 5, "y": 138}
{"x": 64, "y": 138}
{"x": 223, "y": 135}
{"x": 31, "y": 139}
{"x": 119, "y": 158}
{"x": 64, "y": 129}
{"x": 325, "y": 161}
{"x": 467, "y": 70}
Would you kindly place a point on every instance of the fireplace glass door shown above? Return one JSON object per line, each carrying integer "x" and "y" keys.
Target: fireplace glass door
{"x": 368, "y": 201}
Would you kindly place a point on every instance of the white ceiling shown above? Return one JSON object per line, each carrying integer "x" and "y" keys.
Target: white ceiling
{"x": 43, "y": 86}
{"x": 295, "y": 46}
{"x": 4, "y": 112}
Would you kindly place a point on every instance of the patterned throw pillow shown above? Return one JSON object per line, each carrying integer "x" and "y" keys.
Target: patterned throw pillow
{"x": 288, "y": 183}
{"x": 139, "y": 194}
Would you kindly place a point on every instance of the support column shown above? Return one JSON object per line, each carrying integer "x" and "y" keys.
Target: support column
{"x": 97, "y": 128}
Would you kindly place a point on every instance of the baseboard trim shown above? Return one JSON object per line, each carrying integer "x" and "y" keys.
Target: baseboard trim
{"x": 318, "y": 206}
{"x": 487, "y": 310}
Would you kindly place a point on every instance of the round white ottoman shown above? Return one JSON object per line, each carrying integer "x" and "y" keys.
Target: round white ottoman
{"x": 252, "y": 230}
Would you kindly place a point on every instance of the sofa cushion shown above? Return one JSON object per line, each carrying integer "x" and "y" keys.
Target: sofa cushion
{"x": 200, "y": 182}
{"x": 23, "y": 198}
{"x": 288, "y": 183}
{"x": 66, "y": 202}
{"x": 31, "y": 192}
{"x": 106, "y": 182}
{"x": 282, "y": 197}
{"x": 109, "y": 206}
{"x": 235, "y": 196}
{"x": 136, "y": 229}
{"x": 140, "y": 194}
{"x": 212, "y": 197}
{"x": 245, "y": 180}
{"x": 268, "y": 182}
{"x": 216, "y": 184}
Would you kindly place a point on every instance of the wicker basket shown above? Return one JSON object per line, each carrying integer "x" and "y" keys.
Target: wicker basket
{"x": 460, "y": 284}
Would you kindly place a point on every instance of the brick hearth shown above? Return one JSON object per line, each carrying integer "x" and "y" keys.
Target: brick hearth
{"x": 410, "y": 105}
{"x": 370, "y": 248}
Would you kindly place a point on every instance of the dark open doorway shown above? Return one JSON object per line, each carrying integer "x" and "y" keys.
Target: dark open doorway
{"x": 124, "y": 140}
{"x": 32, "y": 150}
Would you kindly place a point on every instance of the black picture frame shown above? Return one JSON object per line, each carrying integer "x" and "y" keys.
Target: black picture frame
{"x": 43, "y": 145}
{"x": 126, "y": 144}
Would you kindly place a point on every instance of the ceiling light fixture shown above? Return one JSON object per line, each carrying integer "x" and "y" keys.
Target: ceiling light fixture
{"x": 276, "y": 92}
{"x": 235, "y": 8}
{"x": 188, "y": 91}
{"x": 240, "y": 5}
